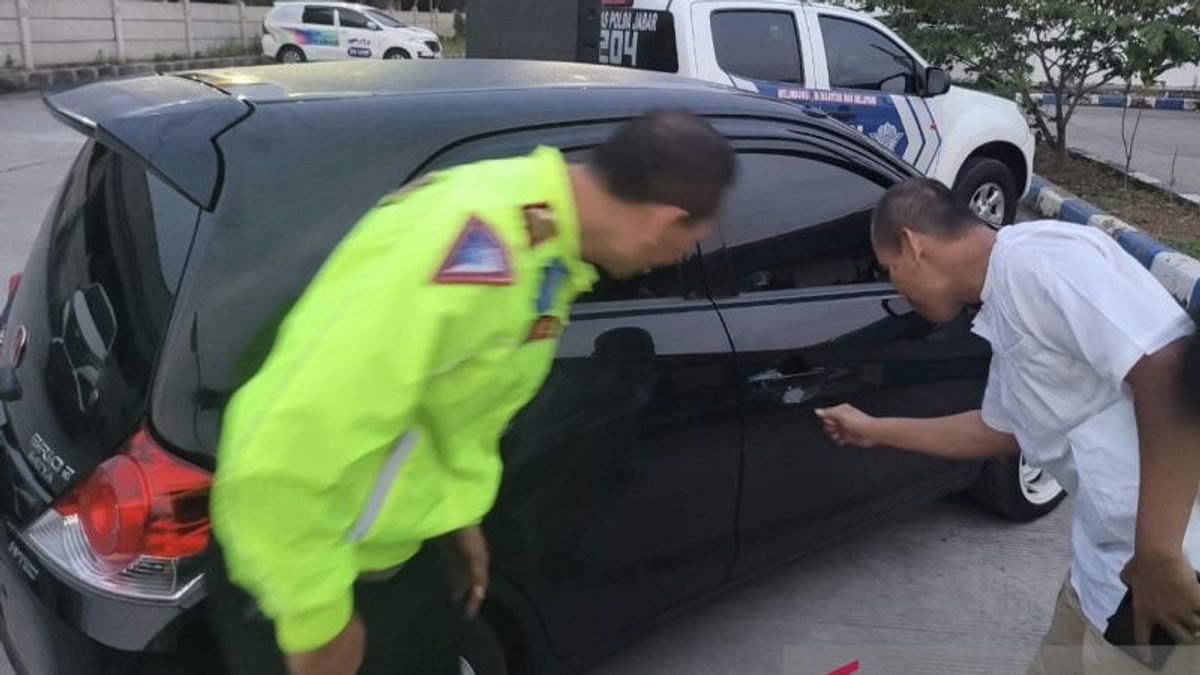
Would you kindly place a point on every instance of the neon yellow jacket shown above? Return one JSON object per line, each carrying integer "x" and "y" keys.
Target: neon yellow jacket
{"x": 374, "y": 423}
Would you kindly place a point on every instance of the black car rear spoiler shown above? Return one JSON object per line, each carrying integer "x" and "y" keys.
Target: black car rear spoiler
{"x": 169, "y": 122}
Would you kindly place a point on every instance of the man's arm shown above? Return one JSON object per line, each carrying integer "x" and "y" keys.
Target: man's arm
{"x": 1164, "y": 584}
{"x": 964, "y": 436}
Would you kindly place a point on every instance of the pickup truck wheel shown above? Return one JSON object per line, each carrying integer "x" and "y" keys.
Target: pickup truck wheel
{"x": 1009, "y": 487}
{"x": 988, "y": 187}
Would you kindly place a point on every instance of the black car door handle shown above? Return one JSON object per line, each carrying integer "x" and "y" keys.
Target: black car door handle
{"x": 775, "y": 377}
{"x": 800, "y": 387}
{"x": 842, "y": 114}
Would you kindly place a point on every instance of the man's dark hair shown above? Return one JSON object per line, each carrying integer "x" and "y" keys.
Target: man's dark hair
{"x": 667, "y": 156}
{"x": 922, "y": 205}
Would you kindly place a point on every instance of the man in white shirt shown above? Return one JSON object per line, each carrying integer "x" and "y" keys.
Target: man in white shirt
{"x": 1085, "y": 381}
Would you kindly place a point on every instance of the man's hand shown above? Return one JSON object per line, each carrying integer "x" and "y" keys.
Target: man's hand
{"x": 343, "y": 655}
{"x": 1165, "y": 593}
{"x": 846, "y": 424}
{"x": 961, "y": 436}
{"x": 467, "y": 564}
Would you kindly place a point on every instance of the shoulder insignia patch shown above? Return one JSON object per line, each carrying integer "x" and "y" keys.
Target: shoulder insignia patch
{"x": 477, "y": 257}
{"x": 553, "y": 274}
{"x": 539, "y": 222}
{"x": 544, "y": 328}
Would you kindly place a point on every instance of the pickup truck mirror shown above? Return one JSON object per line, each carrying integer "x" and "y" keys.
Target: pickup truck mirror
{"x": 937, "y": 82}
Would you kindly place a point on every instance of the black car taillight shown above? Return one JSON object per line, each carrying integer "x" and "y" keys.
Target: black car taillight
{"x": 127, "y": 526}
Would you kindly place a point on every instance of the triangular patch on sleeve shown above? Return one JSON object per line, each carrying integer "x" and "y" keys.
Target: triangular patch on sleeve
{"x": 477, "y": 257}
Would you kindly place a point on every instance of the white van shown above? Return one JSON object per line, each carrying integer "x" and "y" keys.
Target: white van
{"x": 329, "y": 31}
{"x": 845, "y": 63}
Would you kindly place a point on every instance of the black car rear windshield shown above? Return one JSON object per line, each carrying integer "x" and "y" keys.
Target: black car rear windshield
{"x": 116, "y": 253}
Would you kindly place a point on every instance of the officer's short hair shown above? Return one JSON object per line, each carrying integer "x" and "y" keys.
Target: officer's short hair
{"x": 921, "y": 205}
{"x": 667, "y": 156}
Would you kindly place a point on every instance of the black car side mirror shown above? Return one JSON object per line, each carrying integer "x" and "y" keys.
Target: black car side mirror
{"x": 937, "y": 82}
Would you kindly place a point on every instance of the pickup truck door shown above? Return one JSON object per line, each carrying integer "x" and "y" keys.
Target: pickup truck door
{"x": 761, "y": 47}
{"x": 871, "y": 81}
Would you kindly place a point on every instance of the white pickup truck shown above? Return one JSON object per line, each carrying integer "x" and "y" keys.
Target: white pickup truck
{"x": 845, "y": 63}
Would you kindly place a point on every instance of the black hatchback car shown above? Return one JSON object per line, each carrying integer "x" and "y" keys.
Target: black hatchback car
{"x": 672, "y": 451}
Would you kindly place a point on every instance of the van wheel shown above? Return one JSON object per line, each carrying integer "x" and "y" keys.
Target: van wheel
{"x": 396, "y": 53}
{"x": 989, "y": 188}
{"x": 1009, "y": 487}
{"x": 481, "y": 652}
{"x": 290, "y": 54}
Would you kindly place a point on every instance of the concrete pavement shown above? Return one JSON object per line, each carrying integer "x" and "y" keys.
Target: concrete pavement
{"x": 35, "y": 153}
{"x": 939, "y": 590}
{"x": 1161, "y": 134}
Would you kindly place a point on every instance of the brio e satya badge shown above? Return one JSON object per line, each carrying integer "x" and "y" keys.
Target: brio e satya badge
{"x": 544, "y": 328}
{"x": 540, "y": 222}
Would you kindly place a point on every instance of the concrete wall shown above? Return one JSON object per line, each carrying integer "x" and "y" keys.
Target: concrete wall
{"x": 56, "y": 32}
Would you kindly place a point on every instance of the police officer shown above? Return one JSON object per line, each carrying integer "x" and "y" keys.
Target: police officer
{"x": 374, "y": 424}
{"x": 1087, "y": 350}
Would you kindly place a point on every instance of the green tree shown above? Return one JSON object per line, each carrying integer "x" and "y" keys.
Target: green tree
{"x": 1076, "y": 47}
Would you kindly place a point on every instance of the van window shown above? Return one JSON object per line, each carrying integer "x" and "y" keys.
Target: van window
{"x": 351, "y": 19}
{"x": 318, "y": 16}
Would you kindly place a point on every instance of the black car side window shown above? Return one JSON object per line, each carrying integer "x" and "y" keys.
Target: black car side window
{"x": 662, "y": 282}
{"x": 798, "y": 222}
{"x": 318, "y": 16}
{"x": 758, "y": 45}
{"x": 861, "y": 57}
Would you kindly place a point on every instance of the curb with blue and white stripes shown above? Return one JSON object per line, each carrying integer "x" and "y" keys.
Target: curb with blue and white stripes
{"x": 1178, "y": 272}
{"x": 1122, "y": 101}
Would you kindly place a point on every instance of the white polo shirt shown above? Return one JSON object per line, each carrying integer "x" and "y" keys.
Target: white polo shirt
{"x": 1068, "y": 313}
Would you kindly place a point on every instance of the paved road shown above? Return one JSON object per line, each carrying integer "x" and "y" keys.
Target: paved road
{"x": 35, "y": 152}
{"x": 940, "y": 589}
{"x": 1161, "y": 134}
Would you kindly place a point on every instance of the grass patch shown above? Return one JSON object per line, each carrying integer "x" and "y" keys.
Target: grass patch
{"x": 455, "y": 47}
{"x": 233, "y": 49}
{"x": 1170, "y": 220}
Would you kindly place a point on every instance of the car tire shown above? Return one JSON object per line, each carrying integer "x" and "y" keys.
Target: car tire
{"x": 290, "y": 54}
{"x": 990, "y": 189}
{"x": 1009, "y": 487}
{"x": 396, "y": 53}
{"x": 481, "y": 652}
